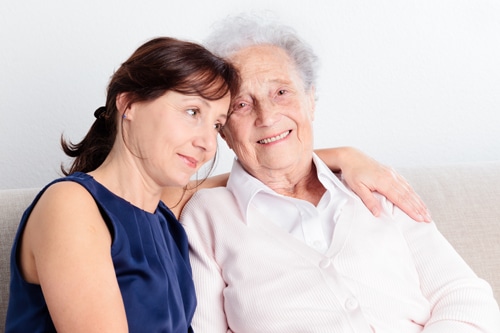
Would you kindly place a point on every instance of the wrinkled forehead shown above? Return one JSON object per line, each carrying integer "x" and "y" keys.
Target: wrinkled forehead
{"x": 261, "y": 64}
{"x": 259, "y": 55}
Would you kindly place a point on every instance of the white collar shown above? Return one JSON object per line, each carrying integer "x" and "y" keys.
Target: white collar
{"x": 244, "y": 186}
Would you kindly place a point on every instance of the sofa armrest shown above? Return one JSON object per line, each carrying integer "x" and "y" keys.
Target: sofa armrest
{"x": 12, "y": 205}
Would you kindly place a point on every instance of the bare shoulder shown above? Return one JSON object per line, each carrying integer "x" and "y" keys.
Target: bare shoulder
{"x": 66, "y": 249}
{"x": 62, "y": 202}
{"x": 65, "y": 191}
{"x": 66, "y": 219}
{"x": 65, "y": 205}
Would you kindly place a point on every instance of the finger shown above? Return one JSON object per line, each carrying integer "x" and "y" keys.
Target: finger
{"x": 405, "y": 197}
{"x": 370, "y": 201}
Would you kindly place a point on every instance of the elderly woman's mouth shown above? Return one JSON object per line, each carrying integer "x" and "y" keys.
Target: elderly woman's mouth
{"x": 274, "y": 138}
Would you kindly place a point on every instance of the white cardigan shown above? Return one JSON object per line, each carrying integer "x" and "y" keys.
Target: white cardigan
{"x": 387, "y": 274}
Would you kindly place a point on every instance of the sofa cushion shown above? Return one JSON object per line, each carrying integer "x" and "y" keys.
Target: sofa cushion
{"x": 464, "y": 201}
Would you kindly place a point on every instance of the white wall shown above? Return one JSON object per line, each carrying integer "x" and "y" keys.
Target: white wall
{"x": 409, "y": 82}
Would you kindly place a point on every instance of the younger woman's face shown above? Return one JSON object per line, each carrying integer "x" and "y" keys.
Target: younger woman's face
{"x": 174, "y": 135}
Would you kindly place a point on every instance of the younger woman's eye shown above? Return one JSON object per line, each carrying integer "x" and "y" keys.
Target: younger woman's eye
{"x": 218, "y": 127}
{"x": 192, "y": 112}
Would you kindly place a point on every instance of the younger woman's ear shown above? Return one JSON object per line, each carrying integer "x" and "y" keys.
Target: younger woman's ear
{"x": 123, "y": 105}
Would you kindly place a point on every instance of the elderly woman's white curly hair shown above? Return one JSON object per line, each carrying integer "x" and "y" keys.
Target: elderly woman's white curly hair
{"x": 237, "y": 32}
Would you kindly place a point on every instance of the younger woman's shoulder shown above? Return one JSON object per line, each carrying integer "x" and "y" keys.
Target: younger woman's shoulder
{"x": 66, "y": 191}
{"x": 63, "y": 201}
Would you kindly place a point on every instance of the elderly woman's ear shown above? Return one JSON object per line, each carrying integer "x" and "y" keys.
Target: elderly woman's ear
{"x": 312, "y": 99}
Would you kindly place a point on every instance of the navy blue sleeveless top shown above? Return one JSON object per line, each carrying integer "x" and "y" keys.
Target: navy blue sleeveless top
{"x": 150, "y": 256}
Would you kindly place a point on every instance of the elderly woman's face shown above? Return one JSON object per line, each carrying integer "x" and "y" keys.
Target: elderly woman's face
{"x": 270, "y": 122}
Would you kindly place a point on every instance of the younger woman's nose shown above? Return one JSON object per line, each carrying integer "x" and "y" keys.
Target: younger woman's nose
{"x": 206, "y": 138}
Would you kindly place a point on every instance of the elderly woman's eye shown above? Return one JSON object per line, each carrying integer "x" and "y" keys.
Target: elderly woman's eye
{"x": 281, "y": 92}
{"x": 237, "y": 106}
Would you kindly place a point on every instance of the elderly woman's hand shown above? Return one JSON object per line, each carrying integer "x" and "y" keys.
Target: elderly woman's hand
{"x": 365, "y": 175}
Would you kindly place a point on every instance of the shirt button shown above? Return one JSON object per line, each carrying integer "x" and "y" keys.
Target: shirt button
{"x": 351, "y": 304}
{"x": 325, "y": 263}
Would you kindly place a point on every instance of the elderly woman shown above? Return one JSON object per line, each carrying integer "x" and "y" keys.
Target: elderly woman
{"x": 321, "y": 262}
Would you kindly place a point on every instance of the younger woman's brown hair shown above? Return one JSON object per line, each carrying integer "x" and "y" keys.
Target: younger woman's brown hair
{"x": 159, "y": 65}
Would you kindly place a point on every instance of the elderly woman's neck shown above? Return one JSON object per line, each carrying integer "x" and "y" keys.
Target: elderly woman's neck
{"x": 303, "y": 186}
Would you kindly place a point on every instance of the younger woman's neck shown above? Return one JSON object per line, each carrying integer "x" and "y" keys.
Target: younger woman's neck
{"x": 124, "y": 180}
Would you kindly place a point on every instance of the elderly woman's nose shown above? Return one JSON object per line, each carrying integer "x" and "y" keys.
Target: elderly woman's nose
{"x": 267, "y": 114}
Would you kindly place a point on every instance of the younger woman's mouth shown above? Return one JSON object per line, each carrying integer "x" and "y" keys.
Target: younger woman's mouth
{"x": 191, "y": 162}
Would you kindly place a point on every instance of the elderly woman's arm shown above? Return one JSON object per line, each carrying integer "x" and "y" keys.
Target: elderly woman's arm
{"x": 362, "y": 173}
{"x": 460, "y": 301}
{"x": 365, "y": 175}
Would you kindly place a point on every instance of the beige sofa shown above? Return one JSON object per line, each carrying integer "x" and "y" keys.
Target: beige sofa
{"x": 464, "y": 201}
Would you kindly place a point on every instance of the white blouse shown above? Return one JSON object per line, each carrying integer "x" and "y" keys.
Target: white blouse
{"x": 386, "y": 274}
